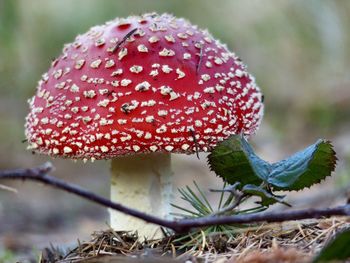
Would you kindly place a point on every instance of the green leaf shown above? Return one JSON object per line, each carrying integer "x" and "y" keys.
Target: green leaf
{"x": 305, "y": 168}
{"x": 267, "y": 198}
{"x": 235, "y": 161}
{"x": 337, "y": 249}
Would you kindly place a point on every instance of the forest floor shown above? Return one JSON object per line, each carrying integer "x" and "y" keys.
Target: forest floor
{"x": 286, "y": 242}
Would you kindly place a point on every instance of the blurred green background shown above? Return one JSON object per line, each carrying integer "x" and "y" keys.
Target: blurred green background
{"x": 298, "y": 51}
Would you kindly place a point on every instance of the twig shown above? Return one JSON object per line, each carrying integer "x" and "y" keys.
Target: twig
{"x": 200, "y": 58}
{"x": 40, "y": 174}
{"x": 235, "y": 193}
{"x": 193, "y": 134}
{"x": 124, "y": 39}
{"x": 31, "y": 172}
{"x": 8, "y": 188}
{"x": 232, "y": 206}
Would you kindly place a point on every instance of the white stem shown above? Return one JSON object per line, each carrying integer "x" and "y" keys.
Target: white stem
{"x": 143, "y": 182}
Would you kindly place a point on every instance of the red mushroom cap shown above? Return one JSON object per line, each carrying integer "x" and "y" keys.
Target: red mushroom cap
{"x": 140, "y": 85}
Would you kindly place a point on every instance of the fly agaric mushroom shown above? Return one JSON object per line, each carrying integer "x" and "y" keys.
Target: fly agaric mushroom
{"x": 136, "y": 90}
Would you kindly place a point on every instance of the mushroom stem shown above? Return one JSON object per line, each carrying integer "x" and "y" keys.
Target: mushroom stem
{"x": 143, "y": 182}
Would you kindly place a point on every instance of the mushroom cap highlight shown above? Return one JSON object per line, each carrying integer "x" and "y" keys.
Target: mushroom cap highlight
{"x": 143, "y": 84}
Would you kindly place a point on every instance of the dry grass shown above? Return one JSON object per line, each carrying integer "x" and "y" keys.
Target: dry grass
{"x": 286, "y": 242}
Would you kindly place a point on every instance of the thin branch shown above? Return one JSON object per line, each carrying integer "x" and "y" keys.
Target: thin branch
{"x": 193, "y": 134}
{"x": 200, "y": 58}
{"x": 234, "y": 193}
{"x": 27, "y": 173}
{"x": 232, "y": 206}
{"x": 8, "y": 188}
{"x": 124, "y": 39}
{"x": 41, "y": 174}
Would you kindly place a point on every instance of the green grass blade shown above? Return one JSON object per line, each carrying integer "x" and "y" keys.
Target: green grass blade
{"x": 203, "y": 197}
